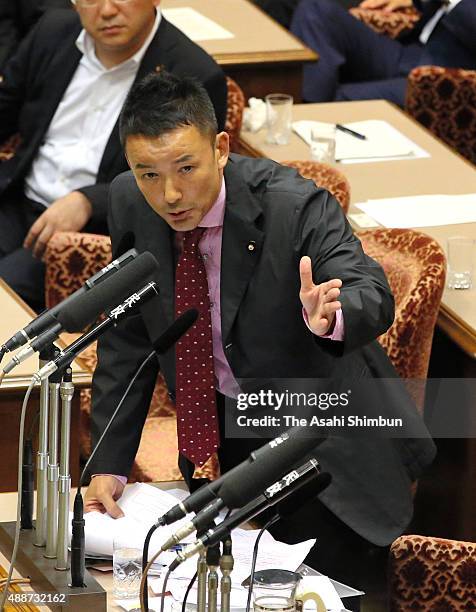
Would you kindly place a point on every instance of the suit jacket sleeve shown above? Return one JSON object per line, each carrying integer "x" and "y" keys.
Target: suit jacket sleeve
{"x": 98, "y": 196}
{"x": 13, "y": 87}
{"x": 9, "y": 34}
{"x": 120, "y": 353}
{"x": 366, "y": 298}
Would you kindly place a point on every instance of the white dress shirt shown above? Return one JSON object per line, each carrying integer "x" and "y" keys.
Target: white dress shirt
{"x": 74, "y": 144}
{"x": 431, "y": 25}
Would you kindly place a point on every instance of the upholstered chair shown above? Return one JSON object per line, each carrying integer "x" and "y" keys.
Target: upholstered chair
{"x": 432, "y": 574}
{"x": 71, "y": 258}
{"x": 325, "y": 176}
{"x": 234, "y": 112}
{"x": 444, "y": 101}
{"x": 415, "y": 266}
{"x": 392, "y": 24}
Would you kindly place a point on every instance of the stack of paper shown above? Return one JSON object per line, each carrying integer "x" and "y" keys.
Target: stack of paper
{"x": 422, "y": 210}
{"x": 143, "y": 504}
{"x": 195, "y": 25}
{"x": 383, "y": 142}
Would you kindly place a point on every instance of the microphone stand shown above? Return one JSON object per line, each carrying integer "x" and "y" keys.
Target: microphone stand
{"x": 66, "y": 393}
{"x": 213, "y": 561}
{"x": 202, "y": 569}
{"x": 226, "y": 567}
{"x": 41, "y": 467}
{"x": 53, "y": 467}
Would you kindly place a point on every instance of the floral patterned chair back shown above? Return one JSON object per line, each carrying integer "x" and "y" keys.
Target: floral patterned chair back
{"x": 430, "y": 574}
{"x": 325, "y": 176}
{"x": 444, "y": 101}
{"x": 415, "y": 266}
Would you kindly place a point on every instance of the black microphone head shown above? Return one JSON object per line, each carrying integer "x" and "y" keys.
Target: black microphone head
{"x": 272, "y": 461}
{"x": 77, "y": 314}
{"x": 294, "y": 502}
{"x": 178, "y": 328}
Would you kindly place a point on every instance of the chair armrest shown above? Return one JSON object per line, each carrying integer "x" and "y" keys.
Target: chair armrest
{"x": 392, "y": 24}
{"x": 71, "y": 258}
{"x": 427, "y": 573}
{"x": 444, "y": 101}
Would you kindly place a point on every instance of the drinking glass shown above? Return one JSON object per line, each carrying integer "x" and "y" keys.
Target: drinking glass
{"x": 278, "y": 118}
{"x": 460, "y": 262}
{"x": 127, "y": 568}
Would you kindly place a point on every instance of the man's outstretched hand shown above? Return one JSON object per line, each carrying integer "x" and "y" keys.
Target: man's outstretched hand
{"x": 102, "y": 494}
{"x": 319, "y": 301}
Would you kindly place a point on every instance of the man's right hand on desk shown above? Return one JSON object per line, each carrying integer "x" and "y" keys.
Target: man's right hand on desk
{"x": 102, "y": 494}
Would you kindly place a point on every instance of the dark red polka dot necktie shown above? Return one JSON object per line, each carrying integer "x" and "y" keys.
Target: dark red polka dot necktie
{"x": 197, "y": 422}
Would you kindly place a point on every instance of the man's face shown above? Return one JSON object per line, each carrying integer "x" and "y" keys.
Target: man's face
{"x": 118, "y": 28}
{"x": 179, "y": 173}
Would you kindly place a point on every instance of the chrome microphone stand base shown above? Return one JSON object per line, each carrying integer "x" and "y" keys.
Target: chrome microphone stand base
{"x": 45, "y": 578}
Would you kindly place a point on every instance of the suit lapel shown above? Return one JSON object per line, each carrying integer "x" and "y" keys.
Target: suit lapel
{"x": 241, "y": 246}
{"x": 59, "y": 75}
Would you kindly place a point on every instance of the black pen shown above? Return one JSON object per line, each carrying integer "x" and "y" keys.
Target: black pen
{"x": 347, "y": 130}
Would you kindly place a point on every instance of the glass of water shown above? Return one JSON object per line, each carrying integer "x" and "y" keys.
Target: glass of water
{"x": 274, "y": 590}
{"x": 460, "y": 262}
{"x": 127, "y": 568}
{"x": 279, "y": 110}
{"x": 323, "y": 143}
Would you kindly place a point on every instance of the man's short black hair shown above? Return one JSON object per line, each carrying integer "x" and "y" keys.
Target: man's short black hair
{"x": 162, "y": 102}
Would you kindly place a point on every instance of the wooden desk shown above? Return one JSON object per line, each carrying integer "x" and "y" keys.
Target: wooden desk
{"x": 262, "y": 57}
{"x": 15, "y": 315}
{"x": 443, "y": 172}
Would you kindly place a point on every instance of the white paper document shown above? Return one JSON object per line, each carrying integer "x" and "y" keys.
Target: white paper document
{"x": 422, "y": 211}
{"x": 383, "y": 141}
{"x": 195, "y": 25}
{"x": 142, "y": 505}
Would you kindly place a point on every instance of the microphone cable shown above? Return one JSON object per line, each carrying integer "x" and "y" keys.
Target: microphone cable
{"x": 187, "y": 592}
{"x": 77, "y": 547}
{"x": 194, "y": 577}
{"x": 7, "y": 582}
{"x": 270, "y": 522}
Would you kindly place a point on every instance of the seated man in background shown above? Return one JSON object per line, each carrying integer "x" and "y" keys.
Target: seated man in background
{"x": 282, "y": 10}
{"x": 63, "y": 92}
{"x": 356, "y": 63}
{"x": 284, "y": 290}
{"x": 17, "y": 17}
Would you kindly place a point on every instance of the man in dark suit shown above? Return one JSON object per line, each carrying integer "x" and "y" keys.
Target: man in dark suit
{"x": 291, "y": 294}
{"x": 63, "y": 92}
{"x": 282, "y": 10}
{"x": 356, "y": 63}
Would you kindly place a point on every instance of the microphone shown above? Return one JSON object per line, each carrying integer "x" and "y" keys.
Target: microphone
{"x": 132, "y": 303}
{"x": 278, "y": 491}
{"x": 208, "y": 492}
{"x": 75, "y": 315}
{"x": 48, "y": 318}
{"x": 242, "y": 484}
